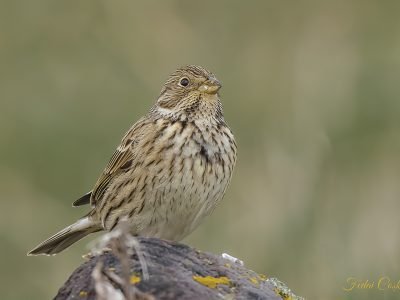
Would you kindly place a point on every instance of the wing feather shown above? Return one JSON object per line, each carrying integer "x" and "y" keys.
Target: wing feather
{"x": 85, "y": 199}
{"x": 121, "y": 160}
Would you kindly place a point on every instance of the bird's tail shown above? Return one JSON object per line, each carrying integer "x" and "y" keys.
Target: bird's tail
{"x": 66, "y": 237}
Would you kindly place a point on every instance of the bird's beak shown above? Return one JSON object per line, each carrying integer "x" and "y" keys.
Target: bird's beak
{"x": 210, "y": 86}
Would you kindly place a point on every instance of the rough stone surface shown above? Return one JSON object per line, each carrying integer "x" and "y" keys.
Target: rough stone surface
{"x": 171, "y": 268}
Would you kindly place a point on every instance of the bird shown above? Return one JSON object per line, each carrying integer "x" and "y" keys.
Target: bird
{"x": 170, "y": 170}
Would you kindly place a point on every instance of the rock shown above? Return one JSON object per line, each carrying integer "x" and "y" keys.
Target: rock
{"x": 175, "y": 271}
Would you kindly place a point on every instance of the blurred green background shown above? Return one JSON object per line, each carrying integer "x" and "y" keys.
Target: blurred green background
{"x": 311, "y": 90}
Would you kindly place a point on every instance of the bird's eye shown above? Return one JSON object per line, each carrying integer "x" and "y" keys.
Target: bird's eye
{"x": 184, "y": 82}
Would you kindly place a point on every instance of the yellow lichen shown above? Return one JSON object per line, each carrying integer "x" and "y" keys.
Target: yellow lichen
{"x": 82, "y": 294}
{"x": 254, "y": 280}
{"x": 211, "y": 282}
{"x": 135, "y": 279}
{"x": 263, "y": 277}
{"x": 283, "y": 294}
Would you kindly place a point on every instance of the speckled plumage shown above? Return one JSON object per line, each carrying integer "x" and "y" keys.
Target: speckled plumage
{"x": 171, "y": 169}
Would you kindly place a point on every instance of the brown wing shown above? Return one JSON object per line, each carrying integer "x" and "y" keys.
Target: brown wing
{"x": 85, "y": 199}
{"x": 121, "y": 160}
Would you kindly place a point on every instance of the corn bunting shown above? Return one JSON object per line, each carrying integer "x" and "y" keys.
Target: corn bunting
{"x": 171, "y": 169}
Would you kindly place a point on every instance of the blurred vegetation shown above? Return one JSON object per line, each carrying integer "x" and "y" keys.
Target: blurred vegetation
{"x": 311, "y": 90}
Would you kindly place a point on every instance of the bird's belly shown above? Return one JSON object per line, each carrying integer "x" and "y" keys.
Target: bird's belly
{"x": 182, "y": 200}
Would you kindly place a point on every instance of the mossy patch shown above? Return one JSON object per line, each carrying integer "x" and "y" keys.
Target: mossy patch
{"x": 282, "y": 290}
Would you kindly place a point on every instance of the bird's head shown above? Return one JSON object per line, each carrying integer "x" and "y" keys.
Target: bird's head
{"x": 190, "y": 92}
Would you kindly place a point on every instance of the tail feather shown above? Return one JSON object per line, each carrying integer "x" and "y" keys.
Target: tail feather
{"x": 66, "y": 237}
